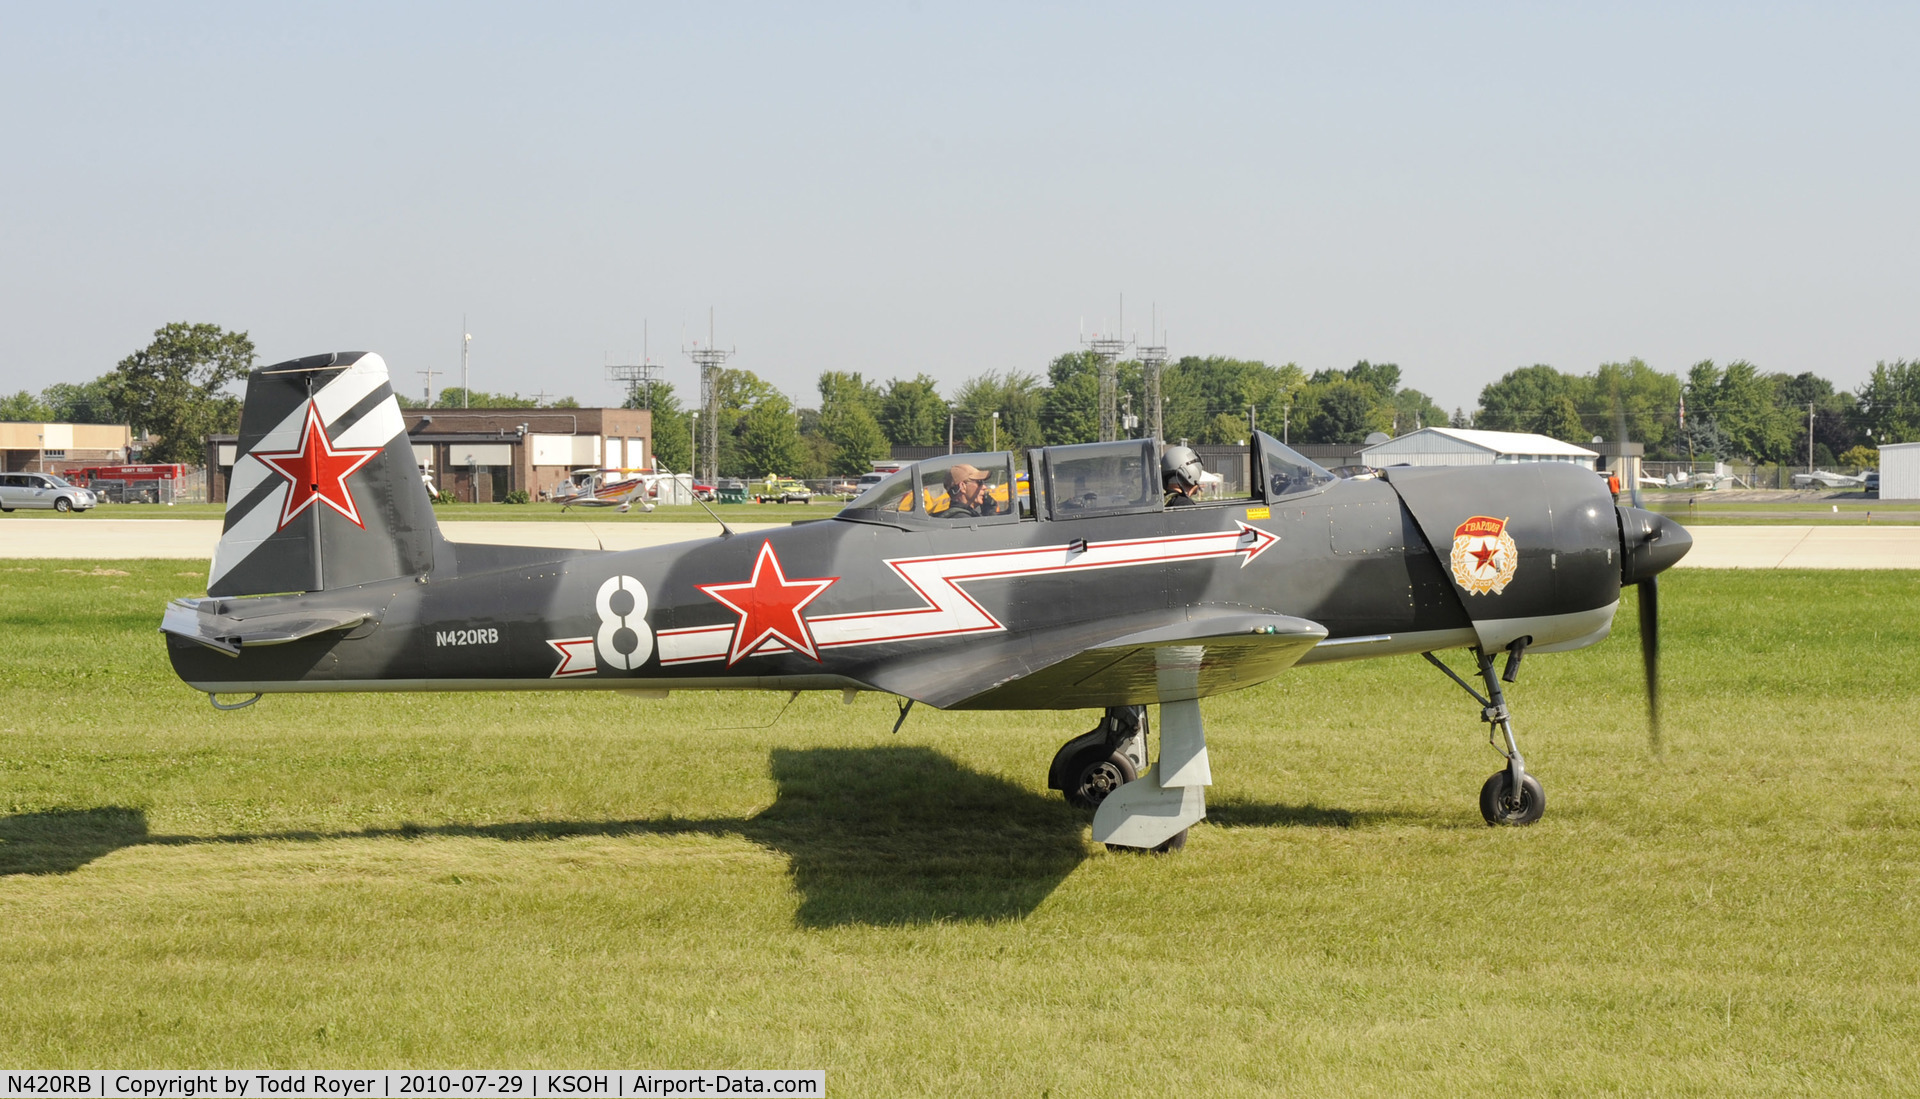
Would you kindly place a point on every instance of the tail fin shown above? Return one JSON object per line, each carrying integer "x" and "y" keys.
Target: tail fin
{"x": 324, "y": 492}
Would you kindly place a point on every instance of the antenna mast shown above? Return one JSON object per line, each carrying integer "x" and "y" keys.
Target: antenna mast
{"x": 1153, "y": 358}
{"x": 1107, "y": 350}
{"x": 709, "y": 359}
{"x": 638, "y": 378}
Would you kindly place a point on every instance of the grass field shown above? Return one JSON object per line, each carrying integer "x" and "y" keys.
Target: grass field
{"x": 711, "y": 881}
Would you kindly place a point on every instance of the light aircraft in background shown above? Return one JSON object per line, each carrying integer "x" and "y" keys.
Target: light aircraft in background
{"x": 1830, "y": 480}
{"x": 943, "y": 584}
{"x": 606, "y": 488}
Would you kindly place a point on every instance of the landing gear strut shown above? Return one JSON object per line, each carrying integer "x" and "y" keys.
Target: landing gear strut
{"x": 1101, "y": 760}
{"x": 1511, "y": 796}
{"x": 1155, "y": 805}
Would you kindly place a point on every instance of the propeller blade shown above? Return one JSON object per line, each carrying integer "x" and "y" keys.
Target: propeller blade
{"x": 1650, "y": 655}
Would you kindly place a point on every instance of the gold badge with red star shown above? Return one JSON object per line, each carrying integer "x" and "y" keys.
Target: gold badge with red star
{"x": 1484, "y": 555}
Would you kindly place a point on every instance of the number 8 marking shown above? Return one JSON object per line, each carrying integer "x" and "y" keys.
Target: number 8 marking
{"x": 612, "y": 621}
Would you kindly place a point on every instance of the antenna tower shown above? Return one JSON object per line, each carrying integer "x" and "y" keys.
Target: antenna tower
{"x": 1153, "y": 359}
{"x": 709, "y": 359}
{"x": 1108, "y": 349}
{"x": 639, "y": 377}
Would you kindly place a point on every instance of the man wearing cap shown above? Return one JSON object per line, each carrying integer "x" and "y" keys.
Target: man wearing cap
{"x": 967, "y": 496}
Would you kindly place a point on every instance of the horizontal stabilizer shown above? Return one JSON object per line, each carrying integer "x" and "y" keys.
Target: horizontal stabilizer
{"x": 226, "y": 625}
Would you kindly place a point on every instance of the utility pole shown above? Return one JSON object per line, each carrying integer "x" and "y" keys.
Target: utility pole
{"x": 466, "y": 377}
{"x": 710, "y": 359}
{"x": 1809, "y": 436}
{"x": 429, "y": 374}
{"x": 949, "y": 427}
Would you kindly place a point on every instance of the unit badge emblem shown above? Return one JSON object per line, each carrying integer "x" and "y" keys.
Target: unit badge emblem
{"x": 1484, "y": 555}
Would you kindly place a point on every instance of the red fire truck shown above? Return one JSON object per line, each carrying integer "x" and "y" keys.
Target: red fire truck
{"x": 150, "y": 484}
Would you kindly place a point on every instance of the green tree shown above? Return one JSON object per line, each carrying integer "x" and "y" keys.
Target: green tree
{"x": 1017, "y": 396}
{"x": 768, "y": 439}
{"x": 1890, "y": 401}
{"x": 25, "y": 407}
{"x": 479, "y": 398}
{"x": 1206, "y": 399}
{"x": 671, "y": 442}
{"x": 176, "y": 388}
{"x": 1341, "y": 410}
{"x": 1524, "y": 400}
{"x": 85, "y": 403}
{"x": 912, "y": 412}
{"x": 847, "y": 427}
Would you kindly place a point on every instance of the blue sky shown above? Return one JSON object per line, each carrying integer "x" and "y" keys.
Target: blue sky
{"x": 955, "y": 188}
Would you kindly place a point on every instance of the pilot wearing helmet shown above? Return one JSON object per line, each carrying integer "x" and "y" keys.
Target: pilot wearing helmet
{"x": 1180, "y": 472}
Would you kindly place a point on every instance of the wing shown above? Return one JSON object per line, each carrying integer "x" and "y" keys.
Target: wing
{"x": 1105, "y": 664}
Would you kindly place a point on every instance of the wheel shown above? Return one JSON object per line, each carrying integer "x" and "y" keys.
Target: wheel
{"x": 1094, "y": 774}
{"x": 1177, "y": 842}
{"x": 63, "y": 504}
{"x": 1499, "y": 806}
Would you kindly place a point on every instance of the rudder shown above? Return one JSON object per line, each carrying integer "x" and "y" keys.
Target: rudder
{"x": 324, "y": 491}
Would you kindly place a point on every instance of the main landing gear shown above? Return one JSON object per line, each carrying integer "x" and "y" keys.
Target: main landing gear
{"x": 1138, "y": 807}
{"x": 1511, "y": 795}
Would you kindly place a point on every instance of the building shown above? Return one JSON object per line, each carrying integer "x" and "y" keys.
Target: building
{"x": 50, "y": 448}
{"x": 1458, "y": 446}
{"x": 482, "y": 454}
{"x": 1900, "y": 471}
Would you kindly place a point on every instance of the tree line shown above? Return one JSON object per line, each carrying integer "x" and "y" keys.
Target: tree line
{"x": 180, "y": 388}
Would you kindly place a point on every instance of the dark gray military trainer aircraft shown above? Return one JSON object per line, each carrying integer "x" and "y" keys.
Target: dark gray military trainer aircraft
{"x": 957, "y": 582}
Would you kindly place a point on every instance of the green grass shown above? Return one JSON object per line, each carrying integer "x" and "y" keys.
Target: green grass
{"x": 583, "y": 880}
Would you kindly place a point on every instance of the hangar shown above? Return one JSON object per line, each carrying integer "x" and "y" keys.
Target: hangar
{"x": 1459, "y": 446}
{"x": 1900, "y": 471}
{"x": 480, "y": 455}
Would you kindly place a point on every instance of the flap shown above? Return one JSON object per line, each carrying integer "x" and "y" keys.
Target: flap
{"x": 215, "y": 623}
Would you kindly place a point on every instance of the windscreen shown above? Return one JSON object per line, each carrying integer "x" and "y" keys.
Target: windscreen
{"x": 1102, "y": 478}
{"x": 1286, "y": 471}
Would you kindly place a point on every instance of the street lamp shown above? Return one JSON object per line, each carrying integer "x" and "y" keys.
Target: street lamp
{"x": 996, "y": 430}
{"x": 949, "y": 427}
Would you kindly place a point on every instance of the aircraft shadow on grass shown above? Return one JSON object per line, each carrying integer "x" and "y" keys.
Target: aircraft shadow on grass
{"x": 891, "y": 835}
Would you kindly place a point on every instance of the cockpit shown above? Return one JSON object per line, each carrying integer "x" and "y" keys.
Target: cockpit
{"x": 1066, "y": 483}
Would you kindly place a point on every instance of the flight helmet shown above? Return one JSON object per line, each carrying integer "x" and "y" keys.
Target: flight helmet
{"x": 1180, "y": 462}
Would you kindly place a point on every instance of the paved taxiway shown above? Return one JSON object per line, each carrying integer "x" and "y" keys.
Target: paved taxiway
{"x": 1714, "y": 547}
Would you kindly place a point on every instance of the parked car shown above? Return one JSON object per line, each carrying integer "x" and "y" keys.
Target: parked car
{"x": 784, "y": 489}
{"x": 43, "y": 490}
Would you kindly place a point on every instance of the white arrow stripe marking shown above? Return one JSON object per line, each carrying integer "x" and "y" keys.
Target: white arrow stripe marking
{"x": 949, "y": 611}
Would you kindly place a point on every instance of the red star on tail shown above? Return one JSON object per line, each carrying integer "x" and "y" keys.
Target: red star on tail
{"x": 769, "y": 606}
{"x": 316, "y": 471}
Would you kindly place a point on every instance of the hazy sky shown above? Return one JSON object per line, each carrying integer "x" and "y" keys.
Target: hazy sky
{"x": 954, "y": 188}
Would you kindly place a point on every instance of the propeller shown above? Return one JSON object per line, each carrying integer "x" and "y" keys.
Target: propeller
{"x": 1650, "y": 655}
{"x": 1649, "y": 586}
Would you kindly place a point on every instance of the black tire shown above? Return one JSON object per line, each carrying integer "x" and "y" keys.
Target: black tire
{"x": 9, "y": 511}
{"x": 63, "y": 504}
{"x": 1499, "y": 806}
{"x": 1094, "y": 774}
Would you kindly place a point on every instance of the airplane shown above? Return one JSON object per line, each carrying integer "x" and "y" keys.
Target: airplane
{"x": 1707, "y": 481}
{"x": 605, "y": 488}
{"x": 1830, "y": 480}
{"x": 938, "y": 586}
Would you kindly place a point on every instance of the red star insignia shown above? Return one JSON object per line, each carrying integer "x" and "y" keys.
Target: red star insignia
{"x": 769, "y": 606}
{"x": 316, "y": 472}
{"x": 1485, "y": 555}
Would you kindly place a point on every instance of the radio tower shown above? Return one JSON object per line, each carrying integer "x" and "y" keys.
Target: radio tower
{"x": 1152, "y": 360}
{"x": 638, "y": 377}
{"x": 709, "y": 359}
{"x": 1108, "y": 349}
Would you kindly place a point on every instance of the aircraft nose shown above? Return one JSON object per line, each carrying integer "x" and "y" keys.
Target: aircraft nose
{"x": 1650, "y": 544}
